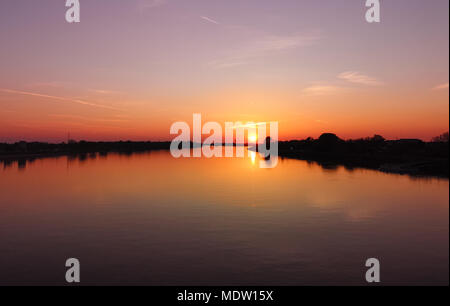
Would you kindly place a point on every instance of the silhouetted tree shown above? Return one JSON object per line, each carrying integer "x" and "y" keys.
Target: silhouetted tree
{"x": 378, "y": 139}
{"x": 329, "y": 139}
{"x": 441, "y": 138}
{"x": 328, "y": 142}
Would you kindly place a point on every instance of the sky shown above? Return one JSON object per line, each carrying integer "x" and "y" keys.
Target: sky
{"x": 131, "y": 68}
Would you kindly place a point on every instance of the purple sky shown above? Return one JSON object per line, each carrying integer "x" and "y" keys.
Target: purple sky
{"x": 312, "y": 65}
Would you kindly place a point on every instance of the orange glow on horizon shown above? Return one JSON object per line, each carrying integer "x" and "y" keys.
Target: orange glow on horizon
{"x": 37, "y": 118}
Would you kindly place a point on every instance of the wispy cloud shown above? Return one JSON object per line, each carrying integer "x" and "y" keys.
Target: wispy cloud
{"x": 69, "y": 85}
{"x": 266, "y": 46}
{"x": 359, "y": 78}
{"x": 321, "y": 121}
{"x": 109, "y": 120}
{"x": 71, "y": 100}
{"x": 209, "y": 19}
{"x": 105, "y": 92}
{"x": 279, "y": 43}
{"x": 53, "y": 84}
{"x": 442, "y": 86}
{"x": 320, "y": 90}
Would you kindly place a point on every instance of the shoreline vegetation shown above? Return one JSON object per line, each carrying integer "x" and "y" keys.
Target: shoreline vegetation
{"x": 404, "y": 156}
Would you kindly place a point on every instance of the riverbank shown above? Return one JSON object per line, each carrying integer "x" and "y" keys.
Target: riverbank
{"x": 411, "y": 157}
{"x": 30, "y": 150}
{"x": 404, "y": 156}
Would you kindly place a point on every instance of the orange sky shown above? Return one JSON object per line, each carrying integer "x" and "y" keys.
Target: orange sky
{"x": 130, "y": 71}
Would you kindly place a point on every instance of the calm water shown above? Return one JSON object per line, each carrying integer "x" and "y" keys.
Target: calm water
{"x": 153, "y": 220}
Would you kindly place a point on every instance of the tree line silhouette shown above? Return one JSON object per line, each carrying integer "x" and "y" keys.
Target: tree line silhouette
{"x": 410, "y": 156}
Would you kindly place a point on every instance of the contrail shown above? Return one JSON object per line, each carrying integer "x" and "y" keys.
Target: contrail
{"x": 82, "y": 102}
{"x": 209, "y": 19}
